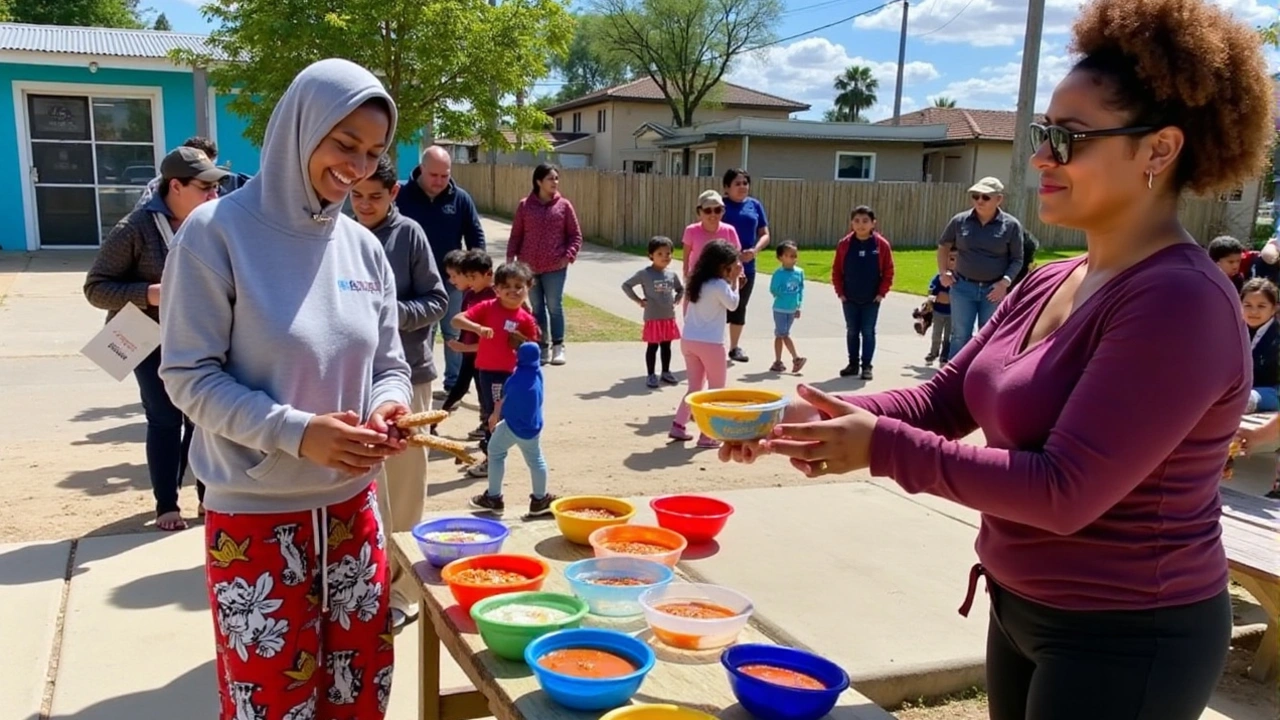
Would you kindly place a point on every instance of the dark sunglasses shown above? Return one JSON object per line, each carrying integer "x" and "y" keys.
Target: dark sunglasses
{"x": 1061, "y": 140}
{"x": 979, "y": 196}
{"x": 713, "y": 210}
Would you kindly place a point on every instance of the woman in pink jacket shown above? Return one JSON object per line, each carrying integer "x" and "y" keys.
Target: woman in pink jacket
{"x": 545, "y": 236}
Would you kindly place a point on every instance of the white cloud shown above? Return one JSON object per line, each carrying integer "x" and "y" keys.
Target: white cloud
{"x": 989, "y": 23}
{"x": 884, "y": 110}
{"x": 806, "y": 69}
{"x": 996, "y": 87}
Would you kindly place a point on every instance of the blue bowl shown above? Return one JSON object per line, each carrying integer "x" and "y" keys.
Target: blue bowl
{"x": 769, "y": 701}
{"x": 615, "y": 600}
{"x": 590, "y": 694}
{"x": 440, "y": 554}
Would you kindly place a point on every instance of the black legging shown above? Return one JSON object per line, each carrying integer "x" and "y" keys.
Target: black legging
{"x": 651, "y": 356}
{"x": 1050, "y": 664}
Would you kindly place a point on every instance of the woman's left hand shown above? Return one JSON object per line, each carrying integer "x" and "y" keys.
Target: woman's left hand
{"x": 825, "y": 447}
{"x": 383, "y": 420}
{"x": 748, "y": 255}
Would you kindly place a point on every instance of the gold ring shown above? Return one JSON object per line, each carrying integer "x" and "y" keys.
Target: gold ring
{"x": 822, "y": 467}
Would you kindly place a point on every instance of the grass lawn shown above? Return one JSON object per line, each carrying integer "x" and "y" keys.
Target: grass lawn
{"x": 913, "y": 267}
{"x": 588, "y": 323}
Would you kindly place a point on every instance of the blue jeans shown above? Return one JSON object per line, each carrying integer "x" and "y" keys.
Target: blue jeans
{"x": 969, "y": 304}
{"x": 452, "y": 358}
{"x": 1265, "y": 399}
{"x": 547, "y": 299}
{"x": 860, "y": 330}
{"x": 500, "y": 444}
{"x": 168, "y": 437}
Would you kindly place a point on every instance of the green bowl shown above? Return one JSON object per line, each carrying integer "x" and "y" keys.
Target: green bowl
{"x": 507, "y": 640}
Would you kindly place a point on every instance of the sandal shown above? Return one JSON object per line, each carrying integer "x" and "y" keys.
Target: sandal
{"x": 171, "y": 521}
{"x": 798, "y": 364}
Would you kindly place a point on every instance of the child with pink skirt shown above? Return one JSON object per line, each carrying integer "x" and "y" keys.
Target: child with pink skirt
{"x": 662, "y": 289}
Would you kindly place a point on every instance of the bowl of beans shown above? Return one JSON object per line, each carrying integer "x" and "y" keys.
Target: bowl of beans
{"x": 737, "y": 414}
{"x": 476, "y": 578}
{"x": 695, "y": 616}
{"x": 781, "y": 683}
{"x": 578, "y": 516}
{"x": 611, "y": 586}
{"x": 648, "y": 542}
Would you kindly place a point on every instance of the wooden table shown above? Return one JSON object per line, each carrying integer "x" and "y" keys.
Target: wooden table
{"x": 508, "y": 690}
{"x": 1251, "y": 534}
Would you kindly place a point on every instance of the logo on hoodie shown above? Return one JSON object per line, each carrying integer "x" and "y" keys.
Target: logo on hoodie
{"x": 369, "y": 286}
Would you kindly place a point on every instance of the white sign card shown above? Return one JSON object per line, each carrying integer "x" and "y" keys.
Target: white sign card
{"x": 124, "y": 342}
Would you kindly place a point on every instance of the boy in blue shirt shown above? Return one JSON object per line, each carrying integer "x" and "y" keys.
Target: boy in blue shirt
{"x": 517, "y": 420}
{"x": 787, "y": 288}
{"x": 939, "y": 303}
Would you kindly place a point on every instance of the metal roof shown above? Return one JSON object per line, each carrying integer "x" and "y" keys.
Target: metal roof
{"x": 109, "y": 42}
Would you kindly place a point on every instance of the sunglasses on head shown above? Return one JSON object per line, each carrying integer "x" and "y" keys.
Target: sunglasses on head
{"x": 979, "y": 196}
{"x": 713, "y": 210}
{"x": 1061, "y": 140}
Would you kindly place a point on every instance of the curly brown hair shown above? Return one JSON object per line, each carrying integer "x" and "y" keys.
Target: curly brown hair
{"x": 1185, "y": 63}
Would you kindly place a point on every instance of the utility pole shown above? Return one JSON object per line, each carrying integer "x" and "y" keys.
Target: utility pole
{"x": 902, "y": 60}
{"x": 1016, "y": 188}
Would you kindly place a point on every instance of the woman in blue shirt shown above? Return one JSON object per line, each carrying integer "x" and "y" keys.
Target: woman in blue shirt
{"x": 746, "y": 215}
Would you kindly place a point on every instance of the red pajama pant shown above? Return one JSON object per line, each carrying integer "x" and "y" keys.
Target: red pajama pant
{"x": 303, "y": 628}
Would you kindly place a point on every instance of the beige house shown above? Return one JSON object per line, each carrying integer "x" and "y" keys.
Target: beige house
{"x": 606, "y": 121}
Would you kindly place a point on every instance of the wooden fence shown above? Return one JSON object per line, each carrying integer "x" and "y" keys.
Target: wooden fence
{"x": 627, "y": 209}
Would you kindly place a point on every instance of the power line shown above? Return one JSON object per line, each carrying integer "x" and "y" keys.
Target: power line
{"x": 810, "y": 31}
{"x": 943, "y": 25}
{"x": 793, "y": 11}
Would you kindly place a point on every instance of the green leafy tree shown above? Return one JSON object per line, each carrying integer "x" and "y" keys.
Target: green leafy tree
{"x": 162, "y": 23}
{"x": 942, "y": 101}
{"x": 453, "y": 66}
{"x": 86, "y": 13}
{"x": 686, "y": 46}
{"x": 590, "y": 64}
{"x": 855, "y": 93}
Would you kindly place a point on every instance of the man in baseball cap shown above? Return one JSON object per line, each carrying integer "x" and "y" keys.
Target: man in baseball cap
{"x": 188, "y": 163}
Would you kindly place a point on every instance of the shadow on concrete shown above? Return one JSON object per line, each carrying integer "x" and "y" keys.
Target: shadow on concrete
{"x": 121, "y": 412}
{"x": 52, "y": 261}
{"x": 35, "y": 563}
{"x": 840, "y": 385}
{"x": 131, "y": 433}
{"x": 137, "y": 523}
{"x": 671, "y": 455}
{"x": 192, "y": 695}
{"x": 183, "y": 588}
{"x": 628, "y": 388}
{"x": 919, "y": 372}
{"x": 109, "y": 480}
{"x": 656, "y": 425}
{"x": 448, "y": 486}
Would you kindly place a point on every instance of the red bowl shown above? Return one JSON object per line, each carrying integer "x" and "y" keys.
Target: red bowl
{"x": 698, "y": 518}
{"x": 467, "y": 594}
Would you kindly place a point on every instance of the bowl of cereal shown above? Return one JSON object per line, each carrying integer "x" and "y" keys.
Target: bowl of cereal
{"x": 476, "y": 578}
{"x": 611, "y": 586}
{"x": 737, "y": 414}
{"x": 578, "y": 516}
{"x": 444, "y": 540}
{"x": 643, "y": 541}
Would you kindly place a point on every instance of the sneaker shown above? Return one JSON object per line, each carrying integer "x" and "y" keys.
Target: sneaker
{"x": 441, "y": 395}
{"x": 669, "y": 378}
{"x": 540, "y": 507}
{"x": 401, "y": 618}
{"x": 866, "y": 373}
{"x": 707, "y": 442}
{"x": 651, "y": 381}
{"x": 678, "y": 432}
{"x": 479, "y": 470}
{"x": 942, "y": 362}
{"x": 777, "y": 366}
{"x": 1273, "y": 494}
{"x": 737, "y": 355}
{"x": 478, "y": 433}
{"x": 930, "y": 358}
{"x": 849, "y": 370}
{"x": 557, "y": 355}
{"x": 546, "y": 355}
{"x": 485, "y": 501}
{"x": 798, "y": 364}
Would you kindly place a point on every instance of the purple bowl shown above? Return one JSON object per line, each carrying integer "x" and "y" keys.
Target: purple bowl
{"x": 440, "y": 554}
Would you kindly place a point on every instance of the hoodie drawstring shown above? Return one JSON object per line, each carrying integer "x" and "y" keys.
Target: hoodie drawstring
{"x": 319, "y": 528}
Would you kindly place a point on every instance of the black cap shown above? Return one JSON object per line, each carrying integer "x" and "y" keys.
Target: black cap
{"x": 188, "y": 163}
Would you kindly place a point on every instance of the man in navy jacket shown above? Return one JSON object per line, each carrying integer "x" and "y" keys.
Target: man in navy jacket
{"x": 448, "y": 215}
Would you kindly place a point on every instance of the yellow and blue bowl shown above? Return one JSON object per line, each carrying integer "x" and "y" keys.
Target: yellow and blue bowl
{"x": 716, "y": 415}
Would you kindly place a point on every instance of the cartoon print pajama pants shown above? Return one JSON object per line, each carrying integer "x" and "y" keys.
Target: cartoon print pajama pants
{"x": 302, "y": 627}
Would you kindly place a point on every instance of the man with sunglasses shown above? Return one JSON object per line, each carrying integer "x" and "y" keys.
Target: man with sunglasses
{"x": 989, "y": 247}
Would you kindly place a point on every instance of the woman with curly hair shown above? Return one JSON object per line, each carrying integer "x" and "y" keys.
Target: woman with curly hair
{"x": 1098, "y": 485}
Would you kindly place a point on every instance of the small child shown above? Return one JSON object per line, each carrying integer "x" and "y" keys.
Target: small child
{"x": 470, "y": 271}
{"x": 502, "y": 324}
{"x": 713, "y": 291}
{"x": 517, "y": 421}
{"x": 939, "y": 303}
{"x": 862, "y": 275}
{"x": 787, "y": 288}
{"x": 1228, "y": 253}
{"x": 1258, "y": 300}
{"x": 662, "y": 290}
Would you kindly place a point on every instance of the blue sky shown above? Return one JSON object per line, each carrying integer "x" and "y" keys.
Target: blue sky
{"x": 969, "y": 50}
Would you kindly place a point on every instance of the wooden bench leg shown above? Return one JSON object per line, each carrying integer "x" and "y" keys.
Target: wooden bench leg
{"x": 428, "y": 666}
{"x": 1266, "y": 661}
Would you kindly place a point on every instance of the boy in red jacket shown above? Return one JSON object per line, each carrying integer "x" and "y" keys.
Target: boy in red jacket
{"x": 862, "y": 275}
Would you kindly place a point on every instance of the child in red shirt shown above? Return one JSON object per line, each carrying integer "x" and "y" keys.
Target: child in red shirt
{"x": 502, "y": 325}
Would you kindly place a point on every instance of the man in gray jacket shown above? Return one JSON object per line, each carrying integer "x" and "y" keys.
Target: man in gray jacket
{"x": 423, "y": 300}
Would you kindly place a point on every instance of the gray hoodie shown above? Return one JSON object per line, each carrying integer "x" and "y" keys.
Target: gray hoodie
{"x": 276, "y": 308}
{"x": 423, "y": 299}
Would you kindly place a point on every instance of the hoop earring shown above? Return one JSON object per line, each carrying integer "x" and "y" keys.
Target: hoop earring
{"x": 1150, "y": 177}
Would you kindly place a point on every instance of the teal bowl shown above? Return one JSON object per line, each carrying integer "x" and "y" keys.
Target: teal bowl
{"x": 507, "y": 637}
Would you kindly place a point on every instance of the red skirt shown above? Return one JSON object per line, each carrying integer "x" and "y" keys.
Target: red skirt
{"x": 660, "y": 331}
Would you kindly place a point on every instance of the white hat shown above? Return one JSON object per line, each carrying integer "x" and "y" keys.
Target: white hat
{"x": 1270, "y": 253}
{"x": 710, "y": 198}
{"x": 989, "y": 186}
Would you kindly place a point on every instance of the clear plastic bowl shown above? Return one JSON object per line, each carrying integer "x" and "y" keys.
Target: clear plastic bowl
{"x": 640, "y": 534}
{"x": 693, "y": 633}
{"x": 615, "y": 600}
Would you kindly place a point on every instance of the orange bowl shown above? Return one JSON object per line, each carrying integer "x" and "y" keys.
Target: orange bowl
{"x": 469, "y": 591}
{"x": 674, "y": 542}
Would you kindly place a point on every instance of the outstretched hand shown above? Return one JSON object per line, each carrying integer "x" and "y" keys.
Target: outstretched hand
{"x": 816, "y": 446}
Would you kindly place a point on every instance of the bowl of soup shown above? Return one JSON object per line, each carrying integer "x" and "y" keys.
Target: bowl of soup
{"x": 578, "y": 516}
{"x": 737, "y": 414}
{"x": 509, "y": 622}
{"x": 589, "y": 669}
{"x": 696, "y": 616}
{"x": 781, "y": 683}
{"x": 612, "y": 586}
{"x": 444, "y": 540}
{"x": 476, "y": 578}
{"x": 648, "y": 542}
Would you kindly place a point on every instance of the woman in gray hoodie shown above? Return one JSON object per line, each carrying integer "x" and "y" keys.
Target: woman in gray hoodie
{"x": 279, "y": 334}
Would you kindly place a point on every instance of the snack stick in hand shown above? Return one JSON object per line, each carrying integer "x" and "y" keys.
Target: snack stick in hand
{"x": 430, "y": 417}
{"x": 451, "y": 447}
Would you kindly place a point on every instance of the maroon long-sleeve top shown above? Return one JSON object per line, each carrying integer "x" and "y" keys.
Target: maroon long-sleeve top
{"x": 545, "y": 236}
{"x": 1098, "y": 486}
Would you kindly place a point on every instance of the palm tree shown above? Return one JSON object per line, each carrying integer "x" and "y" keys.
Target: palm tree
{"x": 942, "y": 101}
{"x": 855, "y": 93}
